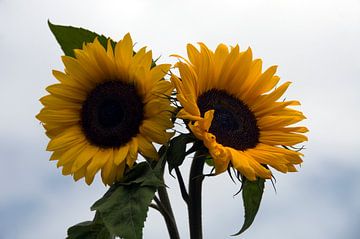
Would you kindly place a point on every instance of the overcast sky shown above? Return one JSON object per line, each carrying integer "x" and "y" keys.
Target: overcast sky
{"x": 314, "y": 42}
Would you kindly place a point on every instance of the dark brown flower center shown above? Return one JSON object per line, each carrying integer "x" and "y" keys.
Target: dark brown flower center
{"x": 111, "y": 114}
{"x": 234, "y": 125}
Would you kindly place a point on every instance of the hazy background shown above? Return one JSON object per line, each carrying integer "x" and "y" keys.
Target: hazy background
{"x": 314, "y": 42}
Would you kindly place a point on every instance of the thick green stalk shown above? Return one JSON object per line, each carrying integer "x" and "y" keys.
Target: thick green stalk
{"x": 195, "y": 190}
{"x": 168, "y": 213}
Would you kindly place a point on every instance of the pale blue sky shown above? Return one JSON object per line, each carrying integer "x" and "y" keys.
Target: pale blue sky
{"x": 314, "y": 42}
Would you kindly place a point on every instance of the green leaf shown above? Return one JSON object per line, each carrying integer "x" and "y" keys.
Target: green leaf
{"x": 144, "y": 175}
{"x": 252, "y": 194}
{"x": 89, "y": 230}
{"x": 71, "y": 38}
{"x": 140, "y": 175}
{"x": 124, "y": 207}
{"x": 125, "y": 211}
{"x": 176, "y": 152}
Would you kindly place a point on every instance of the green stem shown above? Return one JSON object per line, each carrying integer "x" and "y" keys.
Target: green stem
{"x": 195, "y": 189}
{"x": 168, "y": 213}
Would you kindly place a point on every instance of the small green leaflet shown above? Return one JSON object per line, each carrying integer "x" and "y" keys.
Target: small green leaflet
{"x": 176, "y": 152}
{"x": 71, "y": 38}
{"x": 124, "y": 207}
{"x": 252, "y": 192}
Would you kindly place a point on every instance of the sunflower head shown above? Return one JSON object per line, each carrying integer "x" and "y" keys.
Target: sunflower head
{"x": 109, "y": 105}
{"x": 234, "y": 109}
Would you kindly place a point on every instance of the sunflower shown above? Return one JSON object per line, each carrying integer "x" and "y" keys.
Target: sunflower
{"x": 109, "y": 105}
{"x": 233, "y": 107}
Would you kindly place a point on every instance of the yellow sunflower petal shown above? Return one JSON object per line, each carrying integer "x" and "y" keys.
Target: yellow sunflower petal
{"x": 273, "y": 122}
{"x": 53, "y": 102}
{"x": 183, "y": 114}
{"x": 80, "y": 173}
{"x": 146, "y": 148}
{"x": 220, "y": 155}
{"x": 70, "y": 154}
{"x": 124, "y": 51}
{"x": 193, "y": 54}
{"x": 68, "y": 92}
{"x": 68, "y": 137}
{"x": 266, "y": 100}
{"x": 108, "y": 172}
{"x": 120, "y": 154}
{"x": 220, "y": 55}
{"x": 206, "y": 122}
{"x": 157, "y": 106}
{"x": 78, "y": 74}
{"x": 240, "y": 161}
{"x": 84, "y": 157}
{"x": 132, "y": 155}
{"x": 266, "y": 82}
{"x": 155, "y": 132}
{"x": 159, "y": 71}
{"x": 260, "y": 170}
{"x": 291, "y": 168}
{"x": 56, "y": 155}
{"x": 64, "y": 115}
{"x": 238, "y": 71}
{"x": 280, "y": 138}
{"x": 120, "y": 171}
{"x": 66, "y": 170}
{"x": 97, "y": 162}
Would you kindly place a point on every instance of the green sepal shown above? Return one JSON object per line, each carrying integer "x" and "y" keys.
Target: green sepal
{"x": 70, "y": 38}
{"x": 252, "y": 192}
{"x": 209, "y": 161}
{"x": 124, "y": 207}
{"x": 90, "y": 230}
{"x": 176, "y": 152}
